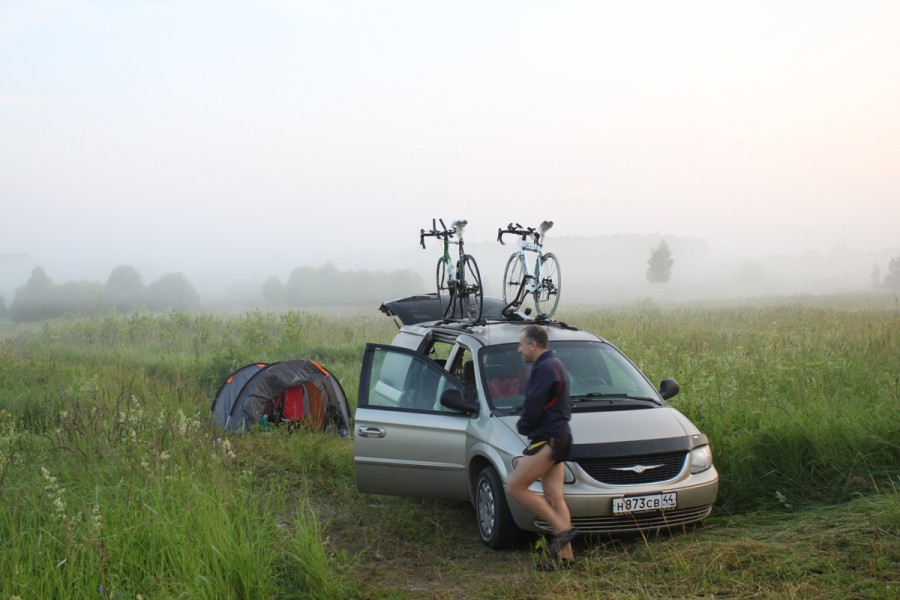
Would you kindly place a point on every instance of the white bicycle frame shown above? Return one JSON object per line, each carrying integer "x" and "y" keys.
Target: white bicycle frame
{"x": 533, "y": 278}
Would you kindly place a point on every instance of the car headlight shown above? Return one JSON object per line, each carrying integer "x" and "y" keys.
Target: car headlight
{"x": 569, "y": 476}
{"x": 701, "y": 459}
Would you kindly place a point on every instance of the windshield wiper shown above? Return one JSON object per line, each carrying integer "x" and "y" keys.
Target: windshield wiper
{"x": 598, "y": 395}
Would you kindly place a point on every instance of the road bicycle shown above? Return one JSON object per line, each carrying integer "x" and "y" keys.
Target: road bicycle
{"x": 542, "y": 282}
{"x": 459, "y": 281}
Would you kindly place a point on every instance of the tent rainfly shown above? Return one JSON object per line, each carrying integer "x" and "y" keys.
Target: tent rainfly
{"x": 295, "y": 391}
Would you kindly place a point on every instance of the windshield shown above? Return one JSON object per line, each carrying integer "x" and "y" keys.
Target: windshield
{"x": 597, "y": 372}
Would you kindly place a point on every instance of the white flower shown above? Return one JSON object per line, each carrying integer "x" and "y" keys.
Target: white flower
{"x": 47, "y": 477}
{"x": 97, "y": 518}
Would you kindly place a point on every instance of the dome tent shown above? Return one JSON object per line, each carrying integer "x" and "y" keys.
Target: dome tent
{"x": 297, "y": 391}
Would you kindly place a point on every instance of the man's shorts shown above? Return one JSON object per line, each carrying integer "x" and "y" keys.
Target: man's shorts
{"x": 560, "y": 447}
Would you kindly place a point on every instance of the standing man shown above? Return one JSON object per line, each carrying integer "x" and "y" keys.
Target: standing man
{"x": 545, "y": 420}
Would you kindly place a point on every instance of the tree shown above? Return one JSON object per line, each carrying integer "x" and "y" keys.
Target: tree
{"x": 35, "y": 300}
{"x": 892, "y": 277}
{"x": 2, "y": 308}
{"x": 79, "y": 298}
{"x": 172, "y": 292}
{"x": 876, "y": 278}
{"x": 659, "y": 266}
{"x": 273, "y": 292}
{"x": 124, "y": 289}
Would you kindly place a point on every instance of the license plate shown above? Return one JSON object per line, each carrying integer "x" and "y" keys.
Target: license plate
{"x": 633, "y": 504}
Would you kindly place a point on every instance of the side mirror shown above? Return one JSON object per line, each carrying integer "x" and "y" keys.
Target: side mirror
{"x": 452, "y": 398}
{"x": 668, "y": 388}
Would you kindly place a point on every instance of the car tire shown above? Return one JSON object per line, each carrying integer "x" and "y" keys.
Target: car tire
{"x": 495, "y": 523}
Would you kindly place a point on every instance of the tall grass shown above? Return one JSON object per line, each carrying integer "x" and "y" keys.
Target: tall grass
{"x": 801, "y": 404}
{"x": 114, "y": 485}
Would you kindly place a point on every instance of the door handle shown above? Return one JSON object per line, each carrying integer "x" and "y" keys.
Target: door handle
{"x": 372, "y": 432}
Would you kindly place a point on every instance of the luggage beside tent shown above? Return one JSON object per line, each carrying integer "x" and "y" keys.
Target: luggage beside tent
{"x": 300, "y": 392}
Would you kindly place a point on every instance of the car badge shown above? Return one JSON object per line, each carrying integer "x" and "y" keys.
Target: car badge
{"x": 637, "y": 468}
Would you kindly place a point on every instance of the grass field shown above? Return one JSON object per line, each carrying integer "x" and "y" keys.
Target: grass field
{"x": 114, "y": 485}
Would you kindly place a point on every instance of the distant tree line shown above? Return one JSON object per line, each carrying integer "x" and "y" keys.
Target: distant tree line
{"x": 125, "y": 292}
{"x": 328, "y": 286}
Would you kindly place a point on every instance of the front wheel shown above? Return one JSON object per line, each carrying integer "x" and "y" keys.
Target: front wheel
{"x": 513, "y": 278}
{"x": 445, "y": 291}
{"x": 471, "y": 294}
{"x": 546, "y": 296}
{"x": 495, "y": 523}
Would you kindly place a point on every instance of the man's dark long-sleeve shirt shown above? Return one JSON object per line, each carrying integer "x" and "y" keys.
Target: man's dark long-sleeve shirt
{"x": 546, "y": 410}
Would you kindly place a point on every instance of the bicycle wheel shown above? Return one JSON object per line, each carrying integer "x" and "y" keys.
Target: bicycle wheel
{"x": 546, "y": 297}
{"x": 445, "y": 291}
{"x": 471, "y": 294}
{"x": 513, "y": 278}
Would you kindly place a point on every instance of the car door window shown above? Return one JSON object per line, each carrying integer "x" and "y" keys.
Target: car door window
{"x": 463, "y": 368}
{"x": 401, "y": 379}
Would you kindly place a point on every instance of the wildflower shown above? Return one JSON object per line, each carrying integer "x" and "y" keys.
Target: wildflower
{"x": 54, "y": 492}
{"x": 48, "y": 478}
{"x": 97, "y": 518}
{"x": 182, "y": 422}
{"x": 226, "y": 449}
{"x": 60, "y": 505}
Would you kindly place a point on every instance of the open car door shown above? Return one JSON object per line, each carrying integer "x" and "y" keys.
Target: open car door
{"x": 406, "y": 442}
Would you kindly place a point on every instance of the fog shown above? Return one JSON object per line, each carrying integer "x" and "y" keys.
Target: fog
{"x": 236, "y": 141}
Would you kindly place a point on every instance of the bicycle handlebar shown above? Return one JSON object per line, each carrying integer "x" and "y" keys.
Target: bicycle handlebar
{"x": 442, "y": 233}
{"x": 517, "y": 229}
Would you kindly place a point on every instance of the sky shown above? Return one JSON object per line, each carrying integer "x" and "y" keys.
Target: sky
{"x": 202, "y": 132}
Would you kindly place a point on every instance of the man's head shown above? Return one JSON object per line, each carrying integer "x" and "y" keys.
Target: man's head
{"x": 533, "y": 342}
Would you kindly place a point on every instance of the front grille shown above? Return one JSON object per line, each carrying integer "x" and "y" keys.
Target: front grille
{"x": 635, "y": 470}
{"x": 646, "y": 522}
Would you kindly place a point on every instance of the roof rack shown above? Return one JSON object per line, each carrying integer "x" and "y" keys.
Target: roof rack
{"x": 507, "y": 319}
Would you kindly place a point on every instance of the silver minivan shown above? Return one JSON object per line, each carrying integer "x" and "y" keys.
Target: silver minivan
{"x": 437, "y": 412}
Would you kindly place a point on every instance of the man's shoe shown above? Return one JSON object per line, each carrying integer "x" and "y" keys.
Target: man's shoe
{"x": 558, "y": 542}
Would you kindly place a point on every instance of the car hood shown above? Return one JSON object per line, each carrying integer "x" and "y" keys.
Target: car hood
{"x": 624, "y": 425}
{"x": 426, "y": 307}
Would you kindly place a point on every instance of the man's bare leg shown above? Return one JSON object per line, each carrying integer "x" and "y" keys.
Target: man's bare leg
{"x": 551, "y": 507}
{"x": 553, "y": 483}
